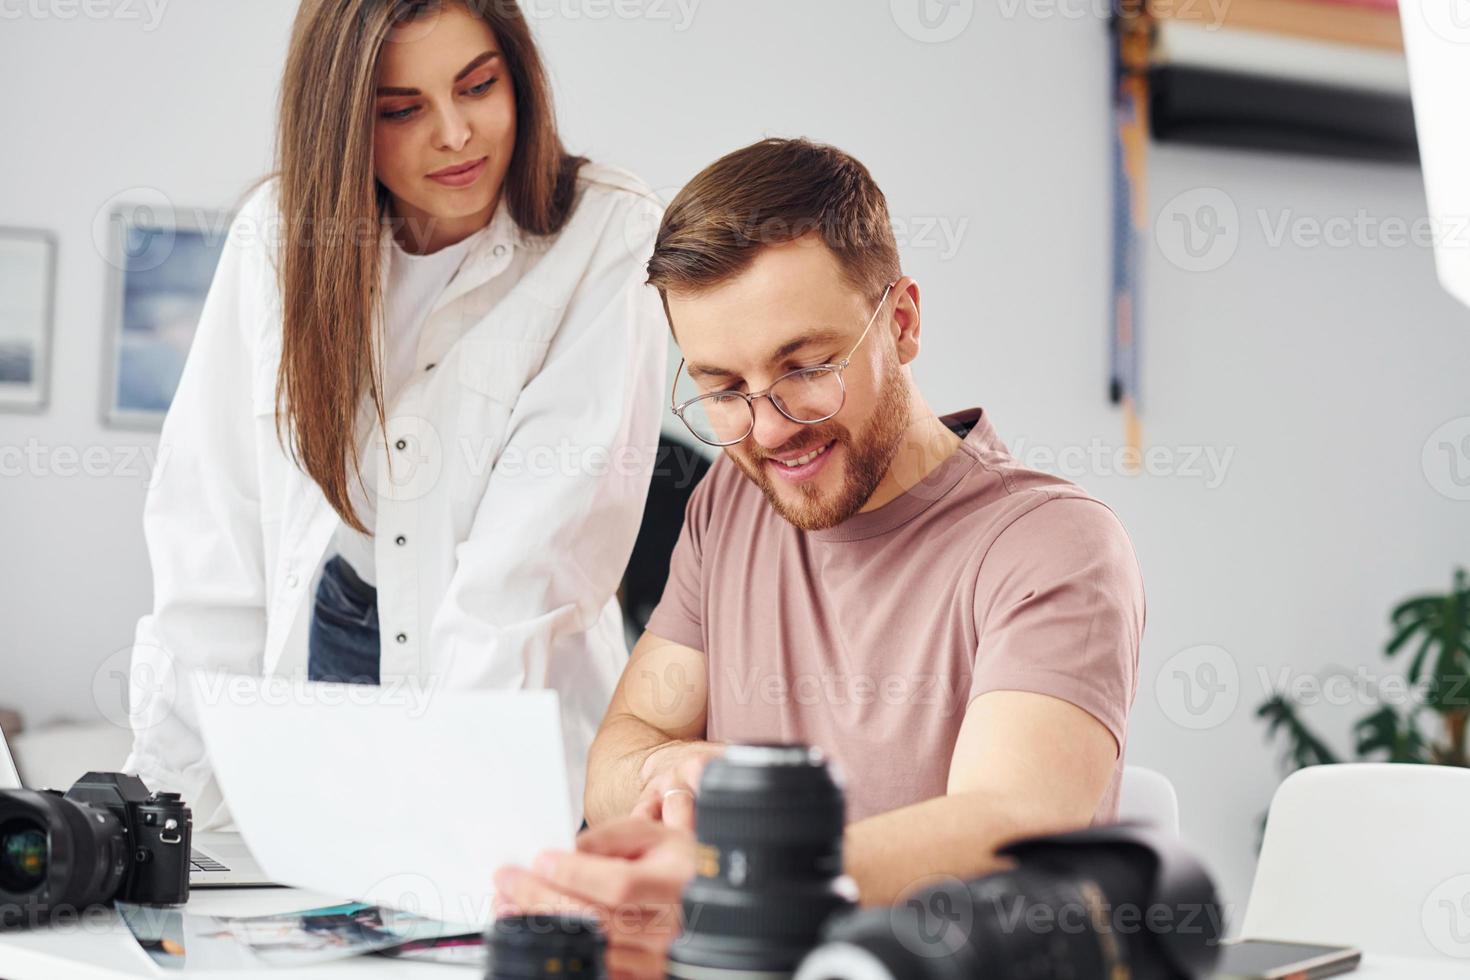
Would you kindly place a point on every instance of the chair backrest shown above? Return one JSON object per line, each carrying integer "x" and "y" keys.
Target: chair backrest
{"x": 1147, "y": 796}
{"x": 1367, "y": 854}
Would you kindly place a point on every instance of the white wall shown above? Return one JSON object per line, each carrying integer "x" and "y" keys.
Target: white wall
{"x": 1320, "y": 371}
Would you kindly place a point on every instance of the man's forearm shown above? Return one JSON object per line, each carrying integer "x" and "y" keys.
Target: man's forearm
{"x": 895, "y": 852}
{"x": 615, "y": 766}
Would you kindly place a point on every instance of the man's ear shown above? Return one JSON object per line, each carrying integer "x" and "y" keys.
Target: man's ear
{"x": 905, "y": 320}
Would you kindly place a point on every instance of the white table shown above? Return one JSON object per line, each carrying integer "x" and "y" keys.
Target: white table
{"x": 103, "y": 949}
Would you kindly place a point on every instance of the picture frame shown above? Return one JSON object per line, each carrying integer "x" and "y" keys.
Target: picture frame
{"x": 27, "y": 317}
{"x": 163, "y": 262}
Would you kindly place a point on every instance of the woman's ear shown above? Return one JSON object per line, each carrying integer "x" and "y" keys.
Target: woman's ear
{"x": 905, "y": 320}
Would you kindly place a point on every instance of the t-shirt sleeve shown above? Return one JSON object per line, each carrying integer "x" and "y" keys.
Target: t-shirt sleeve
{"x": 1059, "y": 610}
{"x": 679, "y": 615}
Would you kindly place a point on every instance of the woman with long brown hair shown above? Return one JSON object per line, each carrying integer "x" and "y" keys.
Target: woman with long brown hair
{"x": 413, "y": 436}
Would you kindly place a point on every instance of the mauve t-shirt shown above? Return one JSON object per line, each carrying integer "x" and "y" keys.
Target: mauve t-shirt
{"x": 871, "y": 638}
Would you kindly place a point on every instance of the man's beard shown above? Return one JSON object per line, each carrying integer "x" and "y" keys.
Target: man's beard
{"x": 868, "y": 459}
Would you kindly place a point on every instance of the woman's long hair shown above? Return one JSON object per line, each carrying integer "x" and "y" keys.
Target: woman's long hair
{"x": 332, "y": 208}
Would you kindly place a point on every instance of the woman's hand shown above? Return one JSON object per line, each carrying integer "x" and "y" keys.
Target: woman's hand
{"x": 628, "y": 874}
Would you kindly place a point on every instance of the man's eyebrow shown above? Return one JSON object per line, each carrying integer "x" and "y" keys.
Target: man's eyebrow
{"x": 480, "y": 60}
{"x": 784, "y": 351}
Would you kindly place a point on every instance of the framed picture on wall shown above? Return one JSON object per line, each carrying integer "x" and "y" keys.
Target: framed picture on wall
{"x": 27, "y": 310}
{"x": 163, "y": 262}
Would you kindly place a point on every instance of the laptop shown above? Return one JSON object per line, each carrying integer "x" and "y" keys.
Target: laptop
{"x": 218, "y": 859}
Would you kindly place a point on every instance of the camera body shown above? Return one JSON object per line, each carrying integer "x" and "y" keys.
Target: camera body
{"x": 159, "y": 828}
{"x": 108, "y": 838}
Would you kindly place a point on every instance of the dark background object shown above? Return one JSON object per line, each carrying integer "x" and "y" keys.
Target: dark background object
{"x": 678, "y": 468}
{"x": 1222, "y": 108}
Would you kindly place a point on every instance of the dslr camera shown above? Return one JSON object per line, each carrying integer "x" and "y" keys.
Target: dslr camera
{"x": 108, "y": 838}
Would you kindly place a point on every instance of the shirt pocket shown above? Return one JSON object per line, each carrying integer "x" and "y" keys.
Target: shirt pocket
{"x": 498, "y": 369}
{"x": 492, "y": 373}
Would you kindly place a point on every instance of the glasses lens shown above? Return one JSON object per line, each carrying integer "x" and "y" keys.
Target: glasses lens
{"x": 23, "y": 856}
{"x": 719, "y": 419}
{"x": 809, "y": 396}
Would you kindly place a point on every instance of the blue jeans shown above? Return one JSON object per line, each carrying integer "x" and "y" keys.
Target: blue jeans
{"x": 343, "y": 642}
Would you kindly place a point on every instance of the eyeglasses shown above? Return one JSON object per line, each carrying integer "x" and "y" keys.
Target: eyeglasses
{"x": 807, "y": 395}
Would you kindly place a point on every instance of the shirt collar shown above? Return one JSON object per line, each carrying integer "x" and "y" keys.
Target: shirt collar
{"x": 498, "y": 239}
{"x": 979, "y": 439}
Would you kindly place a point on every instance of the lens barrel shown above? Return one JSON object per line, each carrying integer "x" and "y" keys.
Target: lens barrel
{"x": 84, "y": 862}
{"x": 769, "y": 820}
{"x": 533, "y": 947}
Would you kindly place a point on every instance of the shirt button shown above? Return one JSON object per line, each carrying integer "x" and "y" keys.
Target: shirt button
{"x": 499, "y": 250}
{"x": 400, "y": 540}
{"x": 401, "y": 444}
{"x": 401, "y": 637}
{"x": 292, "y": 580}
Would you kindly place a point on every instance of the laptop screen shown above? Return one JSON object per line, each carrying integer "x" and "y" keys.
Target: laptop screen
{"x": 9, "y": 778}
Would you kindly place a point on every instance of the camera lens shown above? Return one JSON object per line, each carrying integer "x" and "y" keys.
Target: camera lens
{"x": 56, "y": 855}
{"x": 532, "y": 947}
{"x": 770, "y": 821}
{"x": 23, "y": 855}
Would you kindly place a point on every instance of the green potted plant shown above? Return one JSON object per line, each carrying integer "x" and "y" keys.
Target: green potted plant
{"x": 1437, "y": 628}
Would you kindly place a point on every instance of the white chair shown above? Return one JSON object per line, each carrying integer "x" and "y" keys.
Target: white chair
{"x": 1371, "y": 855}
{"x": 1147, "y": 796}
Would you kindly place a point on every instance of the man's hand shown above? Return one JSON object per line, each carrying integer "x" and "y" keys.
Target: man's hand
{"x": 670, "y": 780}
{"x": 628, "y": 874}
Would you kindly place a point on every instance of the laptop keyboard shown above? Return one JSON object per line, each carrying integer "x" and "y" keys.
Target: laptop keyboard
{"x": 202, "y": 862}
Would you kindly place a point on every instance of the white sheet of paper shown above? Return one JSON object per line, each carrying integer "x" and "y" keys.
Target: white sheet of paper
{"x": 406, "y": 801}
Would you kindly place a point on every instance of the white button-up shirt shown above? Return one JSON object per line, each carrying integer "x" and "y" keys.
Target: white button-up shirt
{"x": 510, "y": 484}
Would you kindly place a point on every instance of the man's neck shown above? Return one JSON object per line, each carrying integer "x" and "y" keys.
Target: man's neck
{"x": 927, "y": 442}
